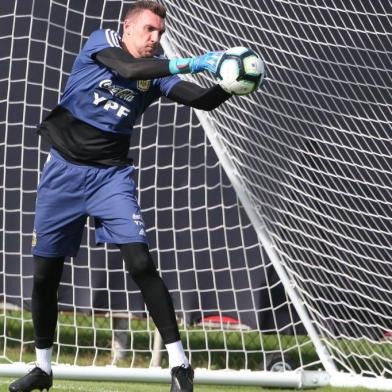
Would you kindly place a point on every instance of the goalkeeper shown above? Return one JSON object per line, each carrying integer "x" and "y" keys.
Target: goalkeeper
{"x": 88, "y": 173}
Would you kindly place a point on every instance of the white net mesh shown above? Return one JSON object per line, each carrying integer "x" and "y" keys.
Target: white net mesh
{"x": 313, "y": 152}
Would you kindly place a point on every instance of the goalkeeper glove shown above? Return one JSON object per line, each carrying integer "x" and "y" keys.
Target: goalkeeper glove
{"x": 208, "y": 61}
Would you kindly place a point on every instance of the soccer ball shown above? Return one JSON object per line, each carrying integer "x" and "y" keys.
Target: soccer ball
{"x": 240, "y": 71}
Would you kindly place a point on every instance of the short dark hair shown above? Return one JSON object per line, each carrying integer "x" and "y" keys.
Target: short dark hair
{"x": 139, "y": 6}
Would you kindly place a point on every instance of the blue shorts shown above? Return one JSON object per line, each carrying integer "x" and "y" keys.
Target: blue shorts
{"x": 68, "y": 193}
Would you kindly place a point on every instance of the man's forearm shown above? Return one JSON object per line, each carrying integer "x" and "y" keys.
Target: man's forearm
{"x": 191, "y": 94}
{"x": 133, "y": 68}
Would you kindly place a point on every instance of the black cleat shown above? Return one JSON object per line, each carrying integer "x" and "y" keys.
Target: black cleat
{"x": 182, "y": 379}
{"x": 35, "y": 379}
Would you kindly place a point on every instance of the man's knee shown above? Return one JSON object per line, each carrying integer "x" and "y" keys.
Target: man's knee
{"x": 138, "y": 260}
{"x": 47, "y": 273}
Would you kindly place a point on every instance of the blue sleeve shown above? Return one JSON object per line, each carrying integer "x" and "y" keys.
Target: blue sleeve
{"x": 166, "y": 84}
{"x": 99, "y": 40}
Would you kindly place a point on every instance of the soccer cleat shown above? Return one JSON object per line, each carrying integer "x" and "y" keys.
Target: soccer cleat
{"x": 35, "y": 379}
{"x": 182, "y": 379}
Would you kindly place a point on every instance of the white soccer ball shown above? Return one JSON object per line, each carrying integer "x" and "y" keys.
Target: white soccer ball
{"x": 240, "y": 71}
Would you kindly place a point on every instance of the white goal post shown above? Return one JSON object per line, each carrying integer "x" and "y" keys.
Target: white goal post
{"x": 269, "y": 218}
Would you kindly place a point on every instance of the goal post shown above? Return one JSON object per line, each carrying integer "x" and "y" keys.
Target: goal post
{"x": 269, "y": 218}
{"x": 257, "y": 221}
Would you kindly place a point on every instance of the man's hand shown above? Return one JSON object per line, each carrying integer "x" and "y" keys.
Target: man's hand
{"x": 206, "y": 62}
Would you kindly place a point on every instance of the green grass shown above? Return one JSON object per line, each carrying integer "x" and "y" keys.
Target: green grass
{"x": 61, "y": 385}
{"x": 93, "y": 334}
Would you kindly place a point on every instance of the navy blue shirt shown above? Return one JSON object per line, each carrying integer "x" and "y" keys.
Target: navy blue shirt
{"x": 98, "y": 109}
{"x": 99, "y": 97}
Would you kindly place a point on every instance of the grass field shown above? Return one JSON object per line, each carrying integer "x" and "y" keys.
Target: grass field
{"x": 61, "y": 385}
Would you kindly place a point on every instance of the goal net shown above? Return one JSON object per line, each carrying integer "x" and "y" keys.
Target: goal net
{"x": 311, "y": 156}
{"x": 272, "y": 206}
